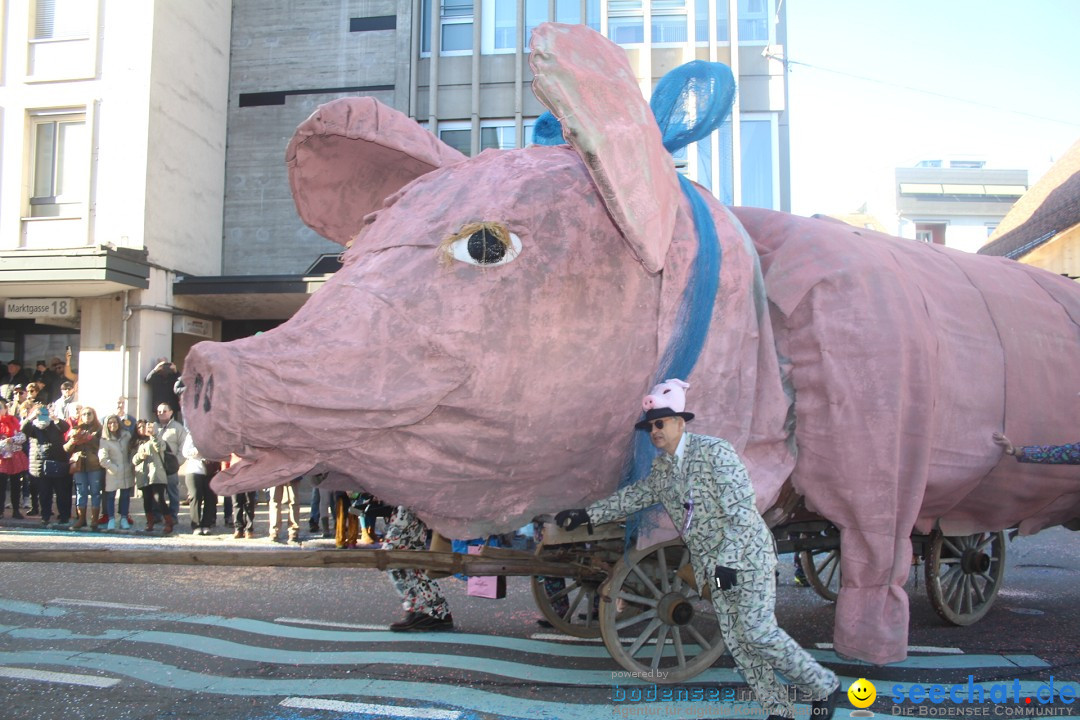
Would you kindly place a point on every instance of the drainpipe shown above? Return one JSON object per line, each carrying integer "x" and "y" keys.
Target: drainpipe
{"x": 125, "y": 381}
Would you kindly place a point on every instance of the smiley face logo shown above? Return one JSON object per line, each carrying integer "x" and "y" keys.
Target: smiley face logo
{"x": 862, "y": 693}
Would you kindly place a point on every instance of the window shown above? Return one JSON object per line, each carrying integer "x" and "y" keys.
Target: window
{"x": 458, "y": 138}
{"x": 62, "y": 19}
{"x": 722, "y": 185}
{"x": 455, "y": 23}
{"x": 754, "y": 21}
{"x": 527, "y": 126}
{"x": 626, "y": 22}
{"x": 568, "y": 11}
{"x": 760, "y": 166}
{"x": 668, "y": 21}
{"x": 500, "y": 20}
{"x": 62, "y": 40}
{"x": 500, "y": 137}
{"x": 536, "y": 12}
{"x": 60, "y": 169}
{"x": 757, "y": 162}
{"x": 933, "y": 233}
{"x": 494, "y": 134}
{"x": 505, "y": 24}
{"x": 592, "y": 12}
{"x": 626, "y": 30}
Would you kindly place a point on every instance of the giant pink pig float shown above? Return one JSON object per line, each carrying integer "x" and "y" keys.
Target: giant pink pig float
{"x": 482, "y": 354}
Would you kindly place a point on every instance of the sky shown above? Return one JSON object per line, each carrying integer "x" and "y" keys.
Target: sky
{"x": 880, "y": 84}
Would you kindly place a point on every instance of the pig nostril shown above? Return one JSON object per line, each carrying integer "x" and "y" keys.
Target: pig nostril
{"x": 198, "y": 388}
{"x": 209, "y": 392}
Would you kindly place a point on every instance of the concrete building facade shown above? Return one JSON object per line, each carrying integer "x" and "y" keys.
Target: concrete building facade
{"x": 167, "y": 124}
{"x": 460, "y": 68}
{"x": 112, "y": 151}
{"x": 957, "y": 203}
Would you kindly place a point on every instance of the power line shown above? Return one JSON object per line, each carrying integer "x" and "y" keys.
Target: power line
{"x": 923, "y": 91}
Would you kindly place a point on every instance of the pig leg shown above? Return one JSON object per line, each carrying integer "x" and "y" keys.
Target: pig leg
{"x": 872, "y": 608}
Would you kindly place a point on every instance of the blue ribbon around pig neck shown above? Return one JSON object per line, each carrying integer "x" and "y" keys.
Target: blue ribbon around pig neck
{"x": 689, "y": 104}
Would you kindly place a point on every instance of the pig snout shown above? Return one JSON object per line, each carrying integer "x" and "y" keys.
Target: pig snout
{"x": 281, "y": 390}
{"x": 216, "y": 435}
{"x": 654, "y": 401}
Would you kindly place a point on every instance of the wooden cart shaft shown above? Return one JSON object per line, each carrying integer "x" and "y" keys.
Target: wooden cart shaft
{"x": 493, "y": 561}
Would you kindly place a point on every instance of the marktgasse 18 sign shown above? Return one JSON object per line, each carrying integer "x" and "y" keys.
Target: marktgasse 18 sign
{"x": 39, "y": 307}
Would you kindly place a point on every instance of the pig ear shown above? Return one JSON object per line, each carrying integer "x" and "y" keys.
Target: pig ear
{"x": 586, "y": 82}
{"x": 350, "y": 155}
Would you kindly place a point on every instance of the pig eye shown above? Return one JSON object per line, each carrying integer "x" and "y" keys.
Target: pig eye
{"x": 482, "y": 244}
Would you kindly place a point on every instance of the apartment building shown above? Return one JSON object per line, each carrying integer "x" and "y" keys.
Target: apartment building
{"x": 956, "y": 202}
{"x": 460, "y": 68}
{"x": 142, "y": 176}
{"x": 112, "y": 153}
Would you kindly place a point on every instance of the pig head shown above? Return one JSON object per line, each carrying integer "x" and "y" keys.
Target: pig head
{"x": 481, "y": 355}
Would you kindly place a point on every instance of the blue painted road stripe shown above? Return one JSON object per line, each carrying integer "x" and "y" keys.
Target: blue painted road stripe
{"x": 253, "y": 653}
{"x": 27, "y": 608}
{"x": 450, "y": 697}
{"x": 161, "y": 674}
{"x": 260, "y": 627}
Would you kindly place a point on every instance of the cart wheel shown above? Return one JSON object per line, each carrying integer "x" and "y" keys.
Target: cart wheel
{"x": 653, "y": 620}
{"x": 822, "y": 570}
{"x": 964, "y": 574}
{"x": 568, "y": 604}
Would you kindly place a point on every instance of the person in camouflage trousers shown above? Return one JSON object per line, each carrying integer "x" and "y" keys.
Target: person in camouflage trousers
{"x": 425, "y": 607}
{"x": 705, "y": 488}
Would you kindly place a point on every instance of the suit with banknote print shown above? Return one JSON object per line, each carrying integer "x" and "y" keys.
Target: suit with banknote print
{"x": 706, "y": 490}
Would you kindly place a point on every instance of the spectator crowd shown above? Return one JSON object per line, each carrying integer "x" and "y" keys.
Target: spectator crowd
{"x": 67, "y": 465}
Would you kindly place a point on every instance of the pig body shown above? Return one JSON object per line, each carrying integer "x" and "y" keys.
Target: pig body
{"x": 866, "y": 371}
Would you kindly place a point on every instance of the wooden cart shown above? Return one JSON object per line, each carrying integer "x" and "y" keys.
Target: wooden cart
{"x": 963, "y": 572}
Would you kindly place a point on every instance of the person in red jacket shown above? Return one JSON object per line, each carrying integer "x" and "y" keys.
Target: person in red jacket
{"x": 13, "y": 461}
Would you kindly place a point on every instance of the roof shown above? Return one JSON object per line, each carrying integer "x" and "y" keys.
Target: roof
{"x": 1051, "y": 206}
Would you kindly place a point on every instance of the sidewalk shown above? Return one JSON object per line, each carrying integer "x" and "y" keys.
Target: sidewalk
{"x": 29, "y": 532}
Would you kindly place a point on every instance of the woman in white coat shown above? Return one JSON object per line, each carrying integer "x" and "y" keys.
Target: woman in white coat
{"x": 115, "y": 456}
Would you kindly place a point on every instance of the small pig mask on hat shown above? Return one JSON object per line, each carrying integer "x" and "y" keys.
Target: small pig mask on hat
{"x": 668, "y": 399}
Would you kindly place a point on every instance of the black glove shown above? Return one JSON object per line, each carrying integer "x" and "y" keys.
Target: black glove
{"x": 572, "y": 519}
{"x": 725, "y": 578}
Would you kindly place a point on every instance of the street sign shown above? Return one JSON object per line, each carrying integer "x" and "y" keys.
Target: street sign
{"x": 39, "y": 307}
{"x": 193, "y": 326}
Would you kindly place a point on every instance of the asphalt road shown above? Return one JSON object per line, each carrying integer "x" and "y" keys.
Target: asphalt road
{"x": 141, "y": 641}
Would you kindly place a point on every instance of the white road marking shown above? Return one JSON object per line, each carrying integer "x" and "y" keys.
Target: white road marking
{"x": 570, "y": 638}
{"x": 351, "y": 707}
{"x": 69, "y": 678}
{"x": 301, "y": 621}
{"x": 95, "y": 603}
{"x": 912, "y": 648}
{"x": 565, "y": 638}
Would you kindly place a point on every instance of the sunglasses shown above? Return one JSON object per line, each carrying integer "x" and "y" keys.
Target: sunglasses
{"x": 658, "y": 424}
